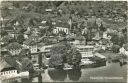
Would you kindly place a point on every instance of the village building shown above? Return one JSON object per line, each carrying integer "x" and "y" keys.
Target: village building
{"x": 6, "y": 70}
{"x": 78, "y": 40}
{"x": 11, "y": 32}
{"x": 14, "y": 48}
{"x": 34, "y": 36}
{"x": 59, "y": 26}
{"x": 27, "y": 33}
{"x": 30, "y": 44}
{"x": 124, "y": 50}
{"x": 86, "y": 51}
{"x": 58, "y": 29}
{"x": 4, "y": 42}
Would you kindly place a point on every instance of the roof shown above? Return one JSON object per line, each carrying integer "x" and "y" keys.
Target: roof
{"x": 12, "y": 61}
{"x": 79, "y": 37}
{"x": 3, "y": 64}
{"x": 28, "y": 31}
{"x": 5, "y": 53}
{"x": 62, "y": 24}
{"x": 99, "y": 55}
{"x": 8, "y": 28}
{"x": 14, "y": 46}
{"x": 24, "y": 51}
{"x": 29, "y": 42}
{"x": 6, "y": 38}
{"x": 126, "y": 46}
{"x": 82, "y": 46}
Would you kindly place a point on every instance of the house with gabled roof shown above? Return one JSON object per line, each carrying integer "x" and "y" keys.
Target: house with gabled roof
{"x": 79, "y": 40}
{"x": 14, "y": 48}
{"x": 6, "y": 70}
{"x": 59, "y": 26}
{"x": 30, "y": 44}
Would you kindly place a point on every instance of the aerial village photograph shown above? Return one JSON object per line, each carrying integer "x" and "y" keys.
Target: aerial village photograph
{"x": 63, "y": 41}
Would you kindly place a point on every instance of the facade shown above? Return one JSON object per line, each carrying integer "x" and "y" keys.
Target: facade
{"x": 79, "y": 41}
{"x": 86, "y": 51}
{"x": 57, "y": 29}
{"x": 14, "y": 48}
{"x": 27, "y": 32}
{"x": 30, "y": 44}
{"x": 34, "y": 58}
{"x": 46, "y": 48}
{"x": 6, "y": 70}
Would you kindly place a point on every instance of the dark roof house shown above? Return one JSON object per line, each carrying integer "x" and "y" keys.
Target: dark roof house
{"x": 30, "y": 42}
{"x": 14, "y": 46}
{"x": 5, "y": 66}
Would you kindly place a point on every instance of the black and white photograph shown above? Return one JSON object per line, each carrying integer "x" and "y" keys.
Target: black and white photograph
{"x": 63, "y": 41}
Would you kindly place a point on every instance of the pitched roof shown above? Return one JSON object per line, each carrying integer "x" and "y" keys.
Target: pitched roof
{"x": 62, "y": 24}
{"x": 126, "y": 46}
{"x": 5, "y": 53}
{"x": 79, "y": 37}
{"x": 29, "y": 42}
{"x": 24, "y": 51}
{"x": 12, "y": 61}
{"x": 14, "y": 46}
{"x": 3, "y": 64}
{"x": 6, "y": 38}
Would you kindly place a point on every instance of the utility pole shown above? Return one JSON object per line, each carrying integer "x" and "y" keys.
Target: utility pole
{"x": 40, "y": 60}
{"x": 127, "y": 31}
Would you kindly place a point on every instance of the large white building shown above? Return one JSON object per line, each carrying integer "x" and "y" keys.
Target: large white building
{"x": 58, "y": 29}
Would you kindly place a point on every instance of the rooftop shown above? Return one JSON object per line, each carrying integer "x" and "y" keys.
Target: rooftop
{"x": 29, "y": 42}
{"x": 3, "y": 64}
{"x": 14, "y": 46}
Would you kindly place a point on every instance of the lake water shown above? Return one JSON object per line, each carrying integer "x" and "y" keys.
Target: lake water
{"x": 112, "y": 72}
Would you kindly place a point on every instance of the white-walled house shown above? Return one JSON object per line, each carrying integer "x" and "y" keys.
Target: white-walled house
{"x": 58, "y": 29}
{"x": 27, "y": 32}
{"x": 106, "y": 36}
{"x": 123, "y": 50}
{"x": 14, "y": 48}
{"x": 45, "y": 48}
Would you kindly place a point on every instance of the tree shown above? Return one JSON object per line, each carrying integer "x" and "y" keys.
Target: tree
{"x": 64, "y": 53}
{"x": 115, "y": 48}
{"x": 3, "y": 33}
{"x": 74, "y": 57}
{"x": 56, "y": 61}
{"x": 26, "y": 64}
{"x": 102, "y": 28}
{"x": 42, "y": 32}
{"x": 5, "y": 11}
{"x": 20, "y": 39}
{"x": 114, "y": 38}
{"x": 50, "y": 26}
{"x": 58, "y": 55}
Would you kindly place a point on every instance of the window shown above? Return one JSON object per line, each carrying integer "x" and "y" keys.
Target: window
{"x": 1, "y": 73}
